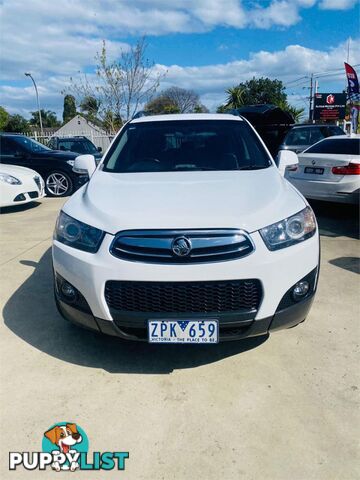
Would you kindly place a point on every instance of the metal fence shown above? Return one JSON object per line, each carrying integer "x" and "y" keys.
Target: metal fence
{"x": 98, "y": 139}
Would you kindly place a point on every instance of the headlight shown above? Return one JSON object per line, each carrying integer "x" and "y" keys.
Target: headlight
{"x": 77, "y": 234}
{"x": 4, "y": 177}
{"x": 290, "y": 231}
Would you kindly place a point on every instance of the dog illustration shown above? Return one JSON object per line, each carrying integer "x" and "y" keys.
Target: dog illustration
{"x": 64, "y": 437}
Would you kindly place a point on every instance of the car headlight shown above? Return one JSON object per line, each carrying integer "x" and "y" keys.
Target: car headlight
{"x": 4, "y": 177}
{"x": 77, "y": 234}
{"x": 290, "y": 231}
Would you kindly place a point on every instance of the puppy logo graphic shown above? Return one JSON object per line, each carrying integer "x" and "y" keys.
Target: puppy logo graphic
{"x": 65, "y": 437}
{"x": 65, "y": 446}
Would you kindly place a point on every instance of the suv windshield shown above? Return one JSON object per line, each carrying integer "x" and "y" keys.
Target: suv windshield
{"x": 79, "y": 146}
{"x": 29, "y": 144}
{"x": 168, "y": 146}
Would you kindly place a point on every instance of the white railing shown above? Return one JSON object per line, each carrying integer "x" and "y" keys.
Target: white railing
{"x": 102, "y": 140}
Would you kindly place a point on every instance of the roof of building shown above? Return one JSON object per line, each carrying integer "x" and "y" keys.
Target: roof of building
{"x": 83, "y": 120}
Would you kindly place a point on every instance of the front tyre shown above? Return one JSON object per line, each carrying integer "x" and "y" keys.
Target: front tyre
{"x": 58, "y": 184}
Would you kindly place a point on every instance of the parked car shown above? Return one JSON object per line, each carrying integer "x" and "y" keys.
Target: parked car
{"x": 19, "y": 185}
{"x": 77, "y": 144}
{"x": 54, "y": 166}
{"x": 187, "y": 232}
{"x": 329, "y": 170}
{"x": 300, "y": 137}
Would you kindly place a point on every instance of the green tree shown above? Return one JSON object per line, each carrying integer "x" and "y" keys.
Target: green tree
{"x": 90, "y": 107}
{"x": 69, "y": 108}
{"x": 48, "y": 118}
{"x": 161, "y": 105}
{"x": 296, "y": 113}
{"x": 235, "y": 97}
{"x": 4, "y": 118}
{"x": 258, "y": 91}
{"x": 17, "y": 124}
{"x": 222, "y": 109}
{"x": 255, "y": 92}
{"x": 111, "y": 123}
{"x": 200, "y": 108}
{"x": 175, "y": 100}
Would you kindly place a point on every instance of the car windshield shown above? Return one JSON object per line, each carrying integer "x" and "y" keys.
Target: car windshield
{"x": 79, "y": 146}
{"x": 346, "y": 146}
{"x": 298, "y": 136}
{"x": 168, "y": 146}
{"x": 30, "y": 145}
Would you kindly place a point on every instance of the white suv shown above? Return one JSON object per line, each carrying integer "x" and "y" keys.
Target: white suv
{"x": 187, "y": 232}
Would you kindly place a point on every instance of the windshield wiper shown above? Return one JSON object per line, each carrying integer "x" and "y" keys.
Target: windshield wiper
{"x": 252, "y": 167}
{"x": 192, "y": 169}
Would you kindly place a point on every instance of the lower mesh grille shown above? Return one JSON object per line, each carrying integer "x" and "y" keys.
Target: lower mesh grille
{"x": 184, "y": 297}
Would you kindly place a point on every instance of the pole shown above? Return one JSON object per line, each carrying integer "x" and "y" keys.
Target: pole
{"x": 37, "y": 100}
{"x": 311, "y": 113}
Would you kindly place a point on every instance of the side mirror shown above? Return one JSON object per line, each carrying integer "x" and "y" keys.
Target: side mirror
{"x": 99, "y": 149}
{"x": 84, "y": 164}
{"x": 285, "y": 159}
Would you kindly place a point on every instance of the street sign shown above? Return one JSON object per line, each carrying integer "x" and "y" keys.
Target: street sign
{"x": 329, "y": 106}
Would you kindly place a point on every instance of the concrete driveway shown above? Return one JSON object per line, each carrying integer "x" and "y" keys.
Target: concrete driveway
{"x": 280, "y": 408}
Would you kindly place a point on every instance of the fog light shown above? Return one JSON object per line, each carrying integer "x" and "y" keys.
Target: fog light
{"x": 301, "y": 289}
{"x": 68, "y": 291}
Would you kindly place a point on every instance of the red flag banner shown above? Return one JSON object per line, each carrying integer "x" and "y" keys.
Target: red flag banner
{"x": 353, "y": 84}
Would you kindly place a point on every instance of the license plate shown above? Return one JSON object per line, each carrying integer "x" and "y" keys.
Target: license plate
{"x": 183, "y": 331}
{"x": 316, "y": 170}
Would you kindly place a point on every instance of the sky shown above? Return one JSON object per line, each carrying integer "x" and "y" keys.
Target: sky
{"x": 205, "y": 45}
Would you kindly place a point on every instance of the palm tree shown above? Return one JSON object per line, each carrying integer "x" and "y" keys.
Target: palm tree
{"x": 296, "y": 113}
{"x": 235, "y": 97}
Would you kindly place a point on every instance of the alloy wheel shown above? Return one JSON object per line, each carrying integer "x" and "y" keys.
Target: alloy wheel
{"x": 57, "y": 184}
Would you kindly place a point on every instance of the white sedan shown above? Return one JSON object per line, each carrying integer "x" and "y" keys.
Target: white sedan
{"x": 19, "y": 185}
{"x": 329, "y": 170}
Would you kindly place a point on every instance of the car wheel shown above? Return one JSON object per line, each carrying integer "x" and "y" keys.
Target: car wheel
{"x": 58, "y": 184}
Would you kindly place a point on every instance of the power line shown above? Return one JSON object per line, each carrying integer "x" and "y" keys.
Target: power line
{"x": 330, "y": 72}
{"x": 296, "y": 80}
{"x": 318, "y": 75}
{"x": 298, "y": 85}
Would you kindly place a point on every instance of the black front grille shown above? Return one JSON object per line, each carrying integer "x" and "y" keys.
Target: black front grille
{"x": 33, "y": 194}
{"x": 184, "y": 297}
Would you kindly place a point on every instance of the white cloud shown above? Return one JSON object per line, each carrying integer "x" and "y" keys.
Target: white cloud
{"x": 209, "y": 81}
{"x": 282, "y": 12}
{"x": 292, "y": 62}
{"x": 337, "y": 4}
{"x": 62, "y": 36}
{"x": 56, "y": 39}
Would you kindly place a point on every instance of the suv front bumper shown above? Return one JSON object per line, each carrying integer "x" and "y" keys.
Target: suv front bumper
{"x": 285, "y": 318}
{"x": 277, "y": 271}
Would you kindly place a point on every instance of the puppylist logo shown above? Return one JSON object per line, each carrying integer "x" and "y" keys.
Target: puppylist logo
{"x": 65, "y": 447}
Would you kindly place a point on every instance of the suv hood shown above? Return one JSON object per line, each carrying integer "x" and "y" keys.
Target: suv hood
{"x": 233, "y": 199}
{"x": 58, "y": 154}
